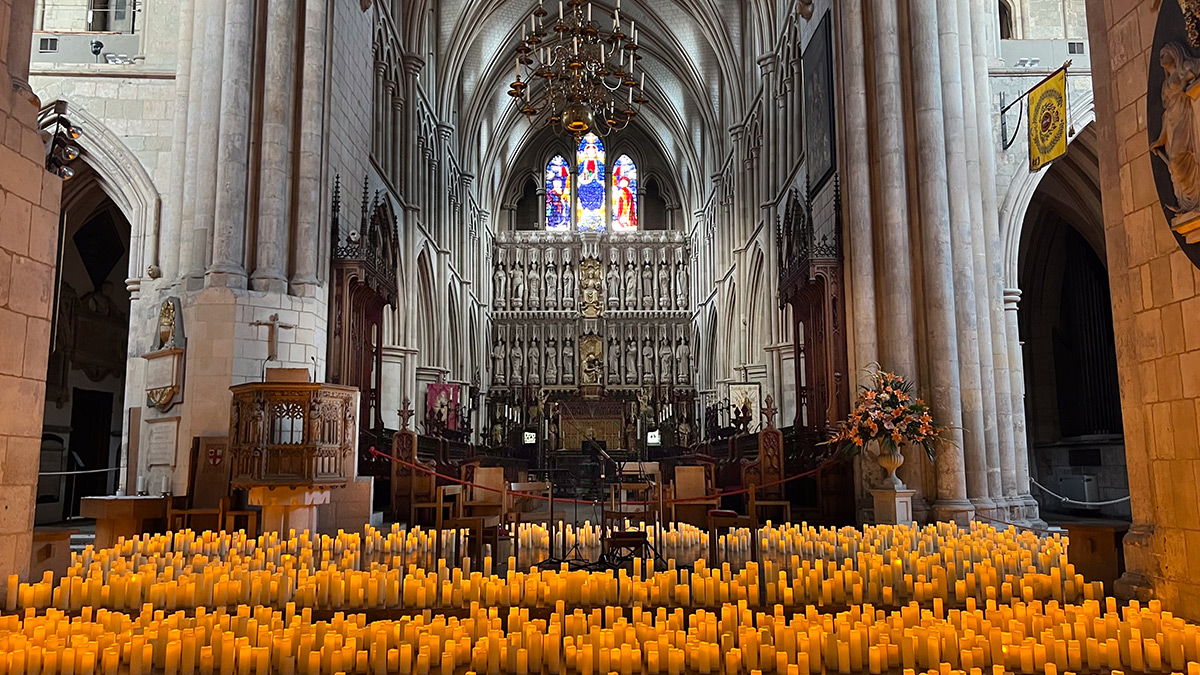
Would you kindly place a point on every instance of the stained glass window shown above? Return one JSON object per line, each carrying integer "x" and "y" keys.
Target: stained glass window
{"x": 558, "y": 194}
{"x": 624, "y": 195}
{"x": 590, "y": 158}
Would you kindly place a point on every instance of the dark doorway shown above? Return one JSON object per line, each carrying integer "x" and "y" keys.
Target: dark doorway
{"x": 91, "y": 444}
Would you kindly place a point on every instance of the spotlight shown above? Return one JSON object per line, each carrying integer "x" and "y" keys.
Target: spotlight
{"x": 97, "y": 47}
{"x": 70, "y": 152}
{"x": 65, "y": 172}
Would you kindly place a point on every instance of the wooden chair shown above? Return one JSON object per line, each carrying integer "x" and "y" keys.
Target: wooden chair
{"x": 625, "y": 542}
{"x": 209, "y": 497}
{"x": 723, "y": 519}
{"x": 693, "y": 484}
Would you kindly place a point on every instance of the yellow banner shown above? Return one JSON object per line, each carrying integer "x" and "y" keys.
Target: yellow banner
{"x": 1048, "y": 120}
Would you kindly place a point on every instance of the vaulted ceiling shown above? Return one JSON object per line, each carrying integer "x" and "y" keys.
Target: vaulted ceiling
{"x": 700, "y": 57}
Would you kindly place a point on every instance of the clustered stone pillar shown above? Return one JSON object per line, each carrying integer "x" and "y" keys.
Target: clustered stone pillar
{"x": 249, "y": 213}
{"x": 927, "y": 96}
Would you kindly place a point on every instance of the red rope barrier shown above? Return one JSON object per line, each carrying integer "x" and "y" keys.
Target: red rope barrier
{"x": 531, "y": 495}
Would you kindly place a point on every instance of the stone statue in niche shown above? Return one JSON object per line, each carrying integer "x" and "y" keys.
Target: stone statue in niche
{"x": 647, "y": 281}
{"x": 534, "y": 362}
{"x": 551, "y": 276}
{"x": 613, "y": 280}
{"x": 499, "y": 286}
{"x": 681, "y": 285}
{"x": 665, "y": 357}
{"x": 517, "y": 277}
{"x": 568, "y": 285}
{"x": 516, "y": 357}
{"x": 568, "y": 360}
{"x": 664, "y": 283}
{"x": 551, "y": 360}
{"x": 1176, "y": 145}
{"x": 683, "y": 361}
{"x": 631, "y": 359}
{"x": 630, "y": 283}
{"x": 498, "y": 362}
{"x": 647, "y": 360}
{"x": 533, "y": 292}
{"x": 614, "y": 360}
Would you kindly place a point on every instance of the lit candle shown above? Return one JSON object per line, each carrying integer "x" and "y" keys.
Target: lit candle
{"x": 560, "y": 11}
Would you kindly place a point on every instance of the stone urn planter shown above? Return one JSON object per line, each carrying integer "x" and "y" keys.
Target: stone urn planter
{"x": 891, "y": 459}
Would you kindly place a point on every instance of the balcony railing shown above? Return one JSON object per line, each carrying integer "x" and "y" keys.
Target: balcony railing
{"x": 293, "y": 434}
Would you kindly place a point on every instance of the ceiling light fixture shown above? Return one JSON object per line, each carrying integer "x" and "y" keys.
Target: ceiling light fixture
{"x": 590, "y": 75}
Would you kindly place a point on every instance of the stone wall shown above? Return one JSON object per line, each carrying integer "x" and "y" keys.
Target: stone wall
{"x": 29, "y": 198}
{"x": 1156, "y": 309}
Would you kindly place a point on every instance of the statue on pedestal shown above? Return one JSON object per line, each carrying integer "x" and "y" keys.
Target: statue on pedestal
{"x": 647, "y": 283}
{"x": 534, "y": 365}
{"x": 551, "y": 360}
{"x": 551, "y": 276}
{"x": 647, "y": 360}
{"x": 683, "y": 361}
{"x": 498, "y": 362}
{"x": 665, "y": 356}
{"x": 613, "y": 280}
{"x": 517, "y": 277}
{"x": 664, "y": 284}
{"x": 533, "y": 293}
{"x": 614, "y": 360}
{"x": 516, "y": 357}
{"x": 568, "y": 286}
{"x": 631, "y": 359}
{"x": 681, "y": 285}
{"x": 499, "y": 287}
{"x": 568, "y": 361}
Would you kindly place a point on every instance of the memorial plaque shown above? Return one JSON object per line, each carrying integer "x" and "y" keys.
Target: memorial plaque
{"x": 161, "y": 439}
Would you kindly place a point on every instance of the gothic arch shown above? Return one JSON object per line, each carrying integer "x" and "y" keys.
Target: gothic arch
{"x": 758, "y": 327}
{"x": 1025, "y": 184}
{"x": 426, "y": 314}
{"x": 123, "y": 178}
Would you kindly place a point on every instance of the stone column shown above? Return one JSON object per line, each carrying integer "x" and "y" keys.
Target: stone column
{"x": 377, "y": 117}
{"x": 963, "y": 258}
{"x": 412, "y": 66}
{"x": 20, "y": 44}
{"x": 1008, "y": 406}
{"x": 1016, "y": 369}
{"x": 310, "y": 186}
{"x": 982, "y": 296}
{"x": 942, "y": 333}
{"x": 229, "y": 229}
{"x": 208, "y": 105}
{"x": 173, "y": 207}
{"x": 275, "y": 185}
{"x": 897, "y": 330}
{"x": 858, "y": 186}
{"x": 188, "y": 182}
{"x": 398, "y": 138}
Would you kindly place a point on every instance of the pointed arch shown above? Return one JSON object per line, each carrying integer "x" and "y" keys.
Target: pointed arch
{"x": 625, "y": 195}
{"x": 557, "y": 182}
{"x": 590, "y": 192}
{"x": 122, "y": 177}
{"x": 426, "y": 314}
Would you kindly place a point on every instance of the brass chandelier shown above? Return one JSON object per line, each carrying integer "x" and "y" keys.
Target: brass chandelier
{"x": 588, "y": 66}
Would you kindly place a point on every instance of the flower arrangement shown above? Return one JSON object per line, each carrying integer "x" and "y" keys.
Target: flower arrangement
{"x": 887, "y": 412}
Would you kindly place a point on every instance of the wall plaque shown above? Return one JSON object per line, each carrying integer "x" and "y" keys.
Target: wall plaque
{"x": 162, "y": 437}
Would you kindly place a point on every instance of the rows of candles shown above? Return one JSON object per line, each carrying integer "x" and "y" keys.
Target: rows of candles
{"x": 1019, "y": 637}
{"x": 374, "y": 569}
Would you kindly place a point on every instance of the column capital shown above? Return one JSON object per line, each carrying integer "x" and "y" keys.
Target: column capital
{"x": 767, "y": 62}
{"x": 1012, "y": 297}
{"x": 413, "y": 63}
{"x": 444, "y": 131}
{"x": 380, "y": 68}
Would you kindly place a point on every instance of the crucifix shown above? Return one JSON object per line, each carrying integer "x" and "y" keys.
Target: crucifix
{"x": 406, "y": 413}
{"x": 770, "y": 411}
{"x": 273, "y": 326}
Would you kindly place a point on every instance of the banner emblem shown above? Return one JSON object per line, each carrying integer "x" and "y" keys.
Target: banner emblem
{"x": 1048, "y": 120}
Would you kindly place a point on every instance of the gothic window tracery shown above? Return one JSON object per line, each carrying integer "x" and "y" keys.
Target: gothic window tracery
{"x": 558, "y": 194}
{"x": 590, "y": 197}
{"x": 625, "y": 195}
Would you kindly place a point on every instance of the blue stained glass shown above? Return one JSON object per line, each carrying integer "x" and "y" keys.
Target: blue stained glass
{"x": 624, "y": 197}
{"x": 590, "y": 159}
{"x": 558, "y": 194}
